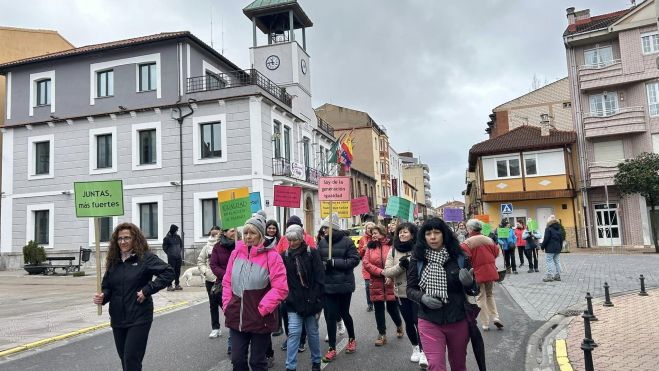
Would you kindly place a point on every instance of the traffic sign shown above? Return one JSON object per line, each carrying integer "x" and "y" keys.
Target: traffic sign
{"x": 506, "y": 209}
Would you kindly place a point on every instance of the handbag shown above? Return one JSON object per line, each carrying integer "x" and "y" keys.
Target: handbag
{"x": 216, "y": 289}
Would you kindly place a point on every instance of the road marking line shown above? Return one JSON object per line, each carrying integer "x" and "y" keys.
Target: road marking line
{"x": 561, "y": 355}
{"x": 339, "y": 347}
{"x": 39, "y": 343}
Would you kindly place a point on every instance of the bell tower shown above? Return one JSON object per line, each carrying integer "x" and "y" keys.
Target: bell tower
{"x": 283, "y": 60}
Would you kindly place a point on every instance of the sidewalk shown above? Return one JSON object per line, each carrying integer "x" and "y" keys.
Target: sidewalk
{"x": 626, "y": 335}
{"x": 34, "y": 308}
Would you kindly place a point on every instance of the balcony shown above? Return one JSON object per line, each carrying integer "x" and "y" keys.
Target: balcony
{"x": 295, "y": 170}
{"x": 235, "y": 79}
{"x": 384, "y": 177}
{"x": 626, "y": 120}
{"x": 594, "y": 76}
{"x": 602, "y": 173}
{"x": 426, "y": 175}
{"x": 324, "y": 126}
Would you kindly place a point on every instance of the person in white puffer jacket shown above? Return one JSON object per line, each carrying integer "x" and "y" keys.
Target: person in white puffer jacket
{"x": 203, "y": 263}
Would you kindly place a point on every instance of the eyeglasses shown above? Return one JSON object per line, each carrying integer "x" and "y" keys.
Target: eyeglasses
{"x": 124, "y": 239}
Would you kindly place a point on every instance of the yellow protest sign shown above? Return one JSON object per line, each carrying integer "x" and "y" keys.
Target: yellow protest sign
{"x": 232, "y": 194}
{"x": 340, "y": 207}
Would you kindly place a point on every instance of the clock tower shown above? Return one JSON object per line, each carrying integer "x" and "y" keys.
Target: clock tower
{"x": 283, "y": 60}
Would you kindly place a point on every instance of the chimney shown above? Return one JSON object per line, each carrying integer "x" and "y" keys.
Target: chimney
{"x": 570, "y": 15}
{"x": 582, "y": 14}
{"x": 544, "y": 125}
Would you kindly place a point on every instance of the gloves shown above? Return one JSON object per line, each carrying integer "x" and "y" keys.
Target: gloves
{"x": 466, "y": 277}
{"x": 430, "y": 302}
{"x": 329, "y": 264}
{"x": 404, "y": 262}
{"x": 371, "y": 244}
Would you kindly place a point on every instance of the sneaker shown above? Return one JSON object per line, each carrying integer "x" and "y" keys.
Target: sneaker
{"x": 352, "y": 346}
{"x": 548, "y": 279}
{"x": 178, "y": 288}
{"x": 557, "y": 277}
{"x": 486, "y": 328}
{"x": 327, "y": 338}
{"x": 329, "y": 356}
{"x": 399, "y": 332}
{"x": 271, "y": 361}
{"x": 284, "y": 345}
{"x": 315, "y": 367}
{"x": 536, "y": 270}
{"x": 369, "y": 308}
{"x": 279, "y": 331}
{"x": 170, "y": 288}
{"x": 530, "y": 270}
{"x": 514, "y": 272}
{"x": 301, "y": 348}
{"x": 498, "y": 323}
{"x": 423, "y": 361}
{"x": 416, "y": 354}
{"x": 381, "y": 340}
{"x": 215, "y": 334}
{"x": 340, "y": 328}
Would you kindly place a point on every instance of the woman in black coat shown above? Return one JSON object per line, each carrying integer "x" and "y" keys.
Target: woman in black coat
{"x": 552, "y": 243}
{"x": 128, "y": 286}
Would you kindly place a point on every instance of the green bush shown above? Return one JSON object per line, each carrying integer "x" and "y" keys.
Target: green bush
{"x": 33, "y": 253}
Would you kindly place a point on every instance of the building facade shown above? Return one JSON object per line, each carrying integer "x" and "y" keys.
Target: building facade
{"x": 173, "y": 119}
{"x": 363, "y": 185}
{"x": 614, "y": 80}
{"x": 396, "y": 172}
{"x": 418, "y": 175}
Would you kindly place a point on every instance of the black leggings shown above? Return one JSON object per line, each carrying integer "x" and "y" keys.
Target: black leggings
{"x": 520, "y": 252}
{"x": 532, "y": 253}
{"x": 409, "y": 310}
{"x": 214, "y": 302}
{"x": 131, "y": 345}
{"x": 176, "y": 264}
{"x": 381, "y": 322}
{"x": 509, "y": 256}
{"x": 337, "y": 306}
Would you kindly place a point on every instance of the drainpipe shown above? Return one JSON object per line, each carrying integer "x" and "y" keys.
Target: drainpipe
{"x": 181, "y": 117}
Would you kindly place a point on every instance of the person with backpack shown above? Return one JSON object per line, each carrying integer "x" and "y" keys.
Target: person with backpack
{"x": 531, "y": 249}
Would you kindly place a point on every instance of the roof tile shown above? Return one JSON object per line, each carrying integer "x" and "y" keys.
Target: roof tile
{"x": 595, "y": 23}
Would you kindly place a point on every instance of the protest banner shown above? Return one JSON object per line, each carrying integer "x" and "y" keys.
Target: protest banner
{"x": 342, "y": 208}
{"x": 255, "y": 201}
{"x": 287, "y": 196}
{"x": 483, "y": 218}
{"x": 532, "y": 225}
{"x": 453, "y": 215}
{"x": 400, "y": 207}
{"x": 335, "y": 188}
{"x": 235, "y": 207}
{"x": 503, "y": 232}
{"x": 487, "y": 229}
{"x": 359, "y": 206}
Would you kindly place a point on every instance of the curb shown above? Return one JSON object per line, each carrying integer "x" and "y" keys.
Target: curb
{"x": 561, "y": 355}
{"x": 39, "y": 343}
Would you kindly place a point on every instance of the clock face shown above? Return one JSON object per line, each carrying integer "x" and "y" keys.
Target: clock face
{"x": 303, "y": 66}
{"x": 272, "y": 62}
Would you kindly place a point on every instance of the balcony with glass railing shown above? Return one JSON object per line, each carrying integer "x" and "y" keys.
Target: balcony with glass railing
{"x": 614, "y": 121}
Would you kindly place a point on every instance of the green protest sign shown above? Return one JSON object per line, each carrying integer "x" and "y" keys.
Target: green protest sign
{"x": 400, "y": 207}
{"x": 234, "y": 213}
{"x": 99, "y": 199}
{"x": 502, "y": 232}
{"x": 487, "y": 229}
{"x": 533, "y": 225}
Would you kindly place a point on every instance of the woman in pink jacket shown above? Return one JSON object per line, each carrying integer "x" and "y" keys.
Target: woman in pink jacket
{"x": 253, "y": 287}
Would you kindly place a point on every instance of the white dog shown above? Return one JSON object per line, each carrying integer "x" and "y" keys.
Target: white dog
{"x": 192, "y": 272}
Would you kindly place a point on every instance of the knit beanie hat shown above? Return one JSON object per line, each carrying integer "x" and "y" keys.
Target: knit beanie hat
{"x": 258, "y": 221}
{"x": 263, "y": 214}
{"x": 293, "y": 220}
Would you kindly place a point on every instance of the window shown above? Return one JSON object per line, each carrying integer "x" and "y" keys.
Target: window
{"x": 608, "y": 153}
{"x": 148, "y": 77}
{"x": 43, "y": 92}
{"x": 214, "y": 81}
{"x": 211, "y": 140}
{"x": 41, "y": 158}
{"x": 306, "y": 153}
{"x": 209, "y": 215}
{"x": 653, "y": 98}
{"x": 149, "y": 220}
{"x": 276, "y": 133}
{"x": 104, "y": 151}
{"x": 650, "y": 43}
{"x": 41, "y": 227}
{"x": 287, "y": 143}
{"x": 105, "y": 83}
{"x": 530, "y": 167}
{"x": 599, "y": 56}
{"x": 604, "y": 104}
{"x": 508, "y": 168}
{"x": 147, "y": 146}
{"x": 106, "y": 228}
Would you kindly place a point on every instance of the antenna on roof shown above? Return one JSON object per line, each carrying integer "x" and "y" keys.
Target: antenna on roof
{"x": 212, "y": 46}
{"x": 222, "y": 25}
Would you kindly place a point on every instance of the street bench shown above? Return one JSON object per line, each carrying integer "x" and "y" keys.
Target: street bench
{"x": 66, "y": 262}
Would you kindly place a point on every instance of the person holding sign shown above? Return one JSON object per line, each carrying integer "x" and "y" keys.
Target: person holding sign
{"x": 340, "y": 260}
{"x": 531, "y": 236}
{"x": 363, "y": 241}
{"x": 252, "y": 288}
{"x": 507, "y": 240}
{"x": 128, "y": 285}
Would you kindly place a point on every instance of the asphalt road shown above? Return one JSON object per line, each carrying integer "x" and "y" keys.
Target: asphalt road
{"x": 179, "y": 341}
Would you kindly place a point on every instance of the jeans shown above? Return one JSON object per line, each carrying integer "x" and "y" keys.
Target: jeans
{"x": 367, "y": 285}
{"x": 295, "y": 325}
{"x": 553, "y": 262}
{"x": 380, "y": 320}
{"x": 284, "y": 315}
{"x": 131, "y": 345}
{"x": 337, "y": 306}
{"x": 214, "y": 302}
{"x": 453, "y": 337}
{"x": 509, "y": 256}
{"x": 409, "y": 310}
{"x": 532, "y": 256}
{"x": 487, "y": 304}
{"x": 175, "y": 262}
{"x": 249, "y": 343}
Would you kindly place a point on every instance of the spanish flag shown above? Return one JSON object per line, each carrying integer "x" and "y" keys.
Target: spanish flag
{"x": 346, "y": 151}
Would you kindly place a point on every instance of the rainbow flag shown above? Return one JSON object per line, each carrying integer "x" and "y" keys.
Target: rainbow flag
{"x": 346, "y": 151}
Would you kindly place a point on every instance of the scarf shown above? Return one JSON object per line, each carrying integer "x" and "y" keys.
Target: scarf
{"x": 227, "y": 243}
{"x": 403, "y": 246}
{"x": 433, "y": 277}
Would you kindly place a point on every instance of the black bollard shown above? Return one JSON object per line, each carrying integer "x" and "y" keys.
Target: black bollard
{"x": 607, "y": 297}
{"x": 643, "y": 292}
{"x": 589, "y": 303}
{"x": 588, "y": 344}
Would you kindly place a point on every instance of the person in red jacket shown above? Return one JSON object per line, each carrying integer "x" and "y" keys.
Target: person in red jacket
{"x": 382, "y": 288}
{"x": 366, "y": 238}
{"x": 482, "y": 253}
{"x": 521, "y": 243}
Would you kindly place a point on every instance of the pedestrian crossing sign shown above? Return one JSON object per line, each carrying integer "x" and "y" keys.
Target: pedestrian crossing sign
{"x": 506, "y": 209}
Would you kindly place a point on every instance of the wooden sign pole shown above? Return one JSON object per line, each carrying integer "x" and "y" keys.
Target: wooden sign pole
{"x": 97, "y": 233}
{"x": 330, "y": 230}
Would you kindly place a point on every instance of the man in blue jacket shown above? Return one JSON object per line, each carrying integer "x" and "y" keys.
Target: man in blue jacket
{"x": 508, "y": 247}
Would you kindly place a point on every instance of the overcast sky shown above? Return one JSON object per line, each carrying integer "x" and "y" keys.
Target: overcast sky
{"x": 429, "y": 71}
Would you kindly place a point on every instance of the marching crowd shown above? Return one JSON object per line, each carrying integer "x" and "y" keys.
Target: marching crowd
{"x": 268, "y": 283}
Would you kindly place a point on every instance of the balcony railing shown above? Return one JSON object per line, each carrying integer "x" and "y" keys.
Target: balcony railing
{"x": 323, "y": 125}
{"x": 602, "y": 173}
{"x": 284, "y": 167}
{"x": 238, "y": 78}
{"x": 620, "y": 121}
